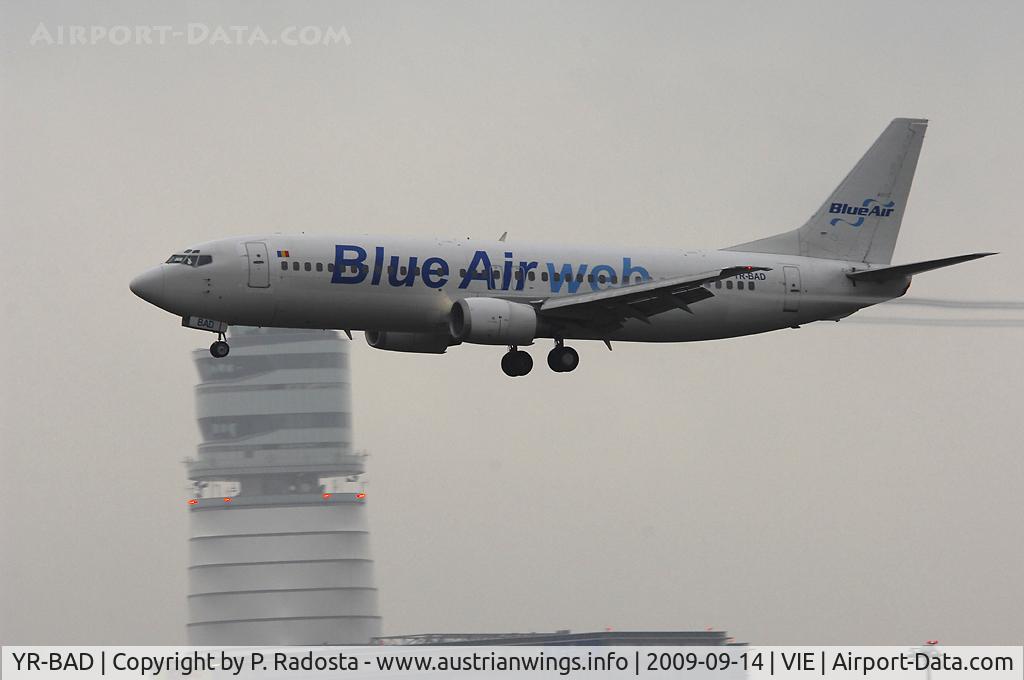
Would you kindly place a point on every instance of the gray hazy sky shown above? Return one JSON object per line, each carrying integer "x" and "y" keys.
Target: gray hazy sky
{"x": 842, "y": 483}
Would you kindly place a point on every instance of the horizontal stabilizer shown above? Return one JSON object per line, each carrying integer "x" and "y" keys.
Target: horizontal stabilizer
{"x": 903, "y": 270}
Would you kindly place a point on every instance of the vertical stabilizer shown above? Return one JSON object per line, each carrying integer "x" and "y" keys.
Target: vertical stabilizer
{"x": 860, "y": 221}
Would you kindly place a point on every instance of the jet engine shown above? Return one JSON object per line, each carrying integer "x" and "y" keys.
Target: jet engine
{"x": 423, "y": 343}
{"x": 490, "y": 321}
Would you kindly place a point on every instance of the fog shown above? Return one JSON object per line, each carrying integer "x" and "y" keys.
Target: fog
{"x": 843, "y": 483}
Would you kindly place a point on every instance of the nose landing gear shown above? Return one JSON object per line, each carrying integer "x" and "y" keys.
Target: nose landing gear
{"x": 563, "y": 359}
{"x": 219, "y": 349}
{"x": 516, "y": 362}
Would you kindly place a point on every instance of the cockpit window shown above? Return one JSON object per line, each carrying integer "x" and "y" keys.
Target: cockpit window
{"x": 192, "y": 260}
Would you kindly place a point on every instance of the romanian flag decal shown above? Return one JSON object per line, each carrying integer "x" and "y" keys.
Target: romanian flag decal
{"x": 282, "y": 253}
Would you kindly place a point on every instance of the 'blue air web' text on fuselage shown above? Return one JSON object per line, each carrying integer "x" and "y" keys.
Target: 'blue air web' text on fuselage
{"x": 434, "y": 272}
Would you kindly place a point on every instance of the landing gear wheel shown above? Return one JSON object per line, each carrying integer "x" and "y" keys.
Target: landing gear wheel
{"x": 563, "y": 359}
{"x": 516, "y": 363}
{"x": 219, "y": 349}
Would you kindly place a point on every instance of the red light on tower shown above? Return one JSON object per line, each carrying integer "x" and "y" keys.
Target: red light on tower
{"x": 360, "y": 496}
{"x": 327, "y": 495}
{"x": 193, "y": 501}
{"x": 932, "y": 642}
{"x": 227, "y": 500}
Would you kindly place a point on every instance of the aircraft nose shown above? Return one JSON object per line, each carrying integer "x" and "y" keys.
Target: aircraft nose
{"x": 149, "y": 285}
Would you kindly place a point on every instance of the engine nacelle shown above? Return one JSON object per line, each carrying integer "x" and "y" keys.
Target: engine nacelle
{"x": 422, "y": 343}
{"x": 490, "y": 321}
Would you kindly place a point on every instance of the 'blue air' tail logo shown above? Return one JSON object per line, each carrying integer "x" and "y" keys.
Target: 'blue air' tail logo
{"x": 865, "y": 210}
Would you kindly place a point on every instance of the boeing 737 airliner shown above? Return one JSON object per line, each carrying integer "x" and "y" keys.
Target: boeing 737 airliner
{"x": 426, "y": 295}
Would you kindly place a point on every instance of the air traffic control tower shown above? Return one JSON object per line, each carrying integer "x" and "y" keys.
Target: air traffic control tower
{"x": 279, "y": 544}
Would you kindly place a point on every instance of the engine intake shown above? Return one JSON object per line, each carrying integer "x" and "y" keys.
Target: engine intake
{"x": 490, "y": 321}
{"x": 422, "y": 343}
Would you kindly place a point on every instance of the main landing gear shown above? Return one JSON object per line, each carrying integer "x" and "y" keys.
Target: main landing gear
{"x": 219, "y": 349}
{"x": 561, "y": 359}
{"x": 516, "y": 362}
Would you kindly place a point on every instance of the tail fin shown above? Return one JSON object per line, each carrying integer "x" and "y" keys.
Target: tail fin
{"x": 861, "y": 219}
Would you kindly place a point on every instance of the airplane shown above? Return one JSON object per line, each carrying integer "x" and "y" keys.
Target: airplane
{"x": 428, "y": 294}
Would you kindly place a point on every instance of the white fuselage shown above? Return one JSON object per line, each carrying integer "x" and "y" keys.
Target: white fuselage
{"x": 307, "y": 281}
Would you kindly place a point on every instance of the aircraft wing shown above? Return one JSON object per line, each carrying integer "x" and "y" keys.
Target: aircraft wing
{"x": 610, "y": 307}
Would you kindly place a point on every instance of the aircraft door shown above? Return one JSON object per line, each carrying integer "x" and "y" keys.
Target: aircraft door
{"x": 259, "y": 265}
{"x": 793, "y": 288}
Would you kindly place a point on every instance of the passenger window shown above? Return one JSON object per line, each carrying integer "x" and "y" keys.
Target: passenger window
{"x": 579, "y": 278}
{"x": 728, "y": 284}
{"x": 319, "y": 266}
{"x": 497, "y": 275}
{"x": 558, "y": 276}
{"x": 462, "y": 273}
{"x": 309, "y": 267}
{"x": 401, "y": 270}
{"x": 530, "y": 275}
{"x": 750, "y": 285}
{"x": 739, "y": 284}
{"x": 614, "y": 279}
{"x": 416, "y": 271}
{"x": 543, "y": 276}
{"x": 330, "y": 266}
{"x": 718, "y": 284}
{"x": 600, "y": 278}
{"x": 639, "y": 278}
{"x": 295, "y": 266}
{"x": 284, "y": 266}
{"x": 365, "y": 268}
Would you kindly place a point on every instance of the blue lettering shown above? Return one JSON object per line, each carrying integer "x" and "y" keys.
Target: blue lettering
{"x": 480, "y": 259}
{"x": 341, "y": 263}
{"x": 378, "y": 265}
{"x": 506, "y": 274}
{"x": 524, "y": 267}
{"x": 567, "y": 276}
{"x": 435, "y": 272}
{"x": 409, "y": 276}
{"x": 596, "y": 272}
{"x": 628, "y": 270}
